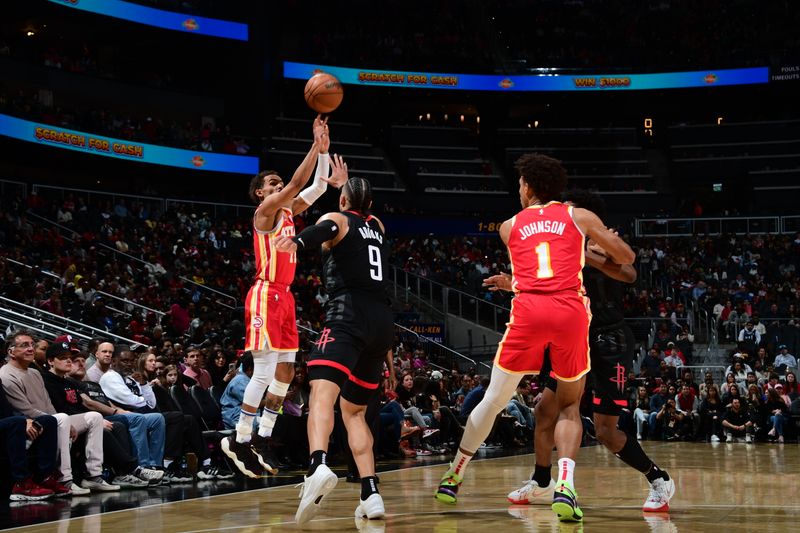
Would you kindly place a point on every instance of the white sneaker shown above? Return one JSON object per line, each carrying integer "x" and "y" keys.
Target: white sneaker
{"x": 371, "y": 508}
{"x": 531, "y": 492}
{"x": 99, "y": 485}
{"x": 660, "y": 493}
{"x": 313, "y": 490}
{"x": 714, "y": 438}
{"x": 748, "y": 438}
{"x": 428, "y": 432}
{"x": 150, "y": 475}
{"x": 129, "y": 481}
{"x": 638, "y": 436}
{"x": 77, "y": 490}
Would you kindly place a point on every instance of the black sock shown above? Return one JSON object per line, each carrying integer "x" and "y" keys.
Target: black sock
{"x": 369, "y": 486}
{"x": 542, "y": 475}
{"x": 317, "y": 458}
{"x": 633, "y": 455}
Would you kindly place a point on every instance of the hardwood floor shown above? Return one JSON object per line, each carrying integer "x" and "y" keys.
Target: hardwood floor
{"x": 724, "y": 487}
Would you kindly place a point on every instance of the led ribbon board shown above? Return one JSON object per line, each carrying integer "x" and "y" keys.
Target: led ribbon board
{"x": 90, "y": 143}
{"x": 159, "y": 18}
{"x": 554, "y": 83}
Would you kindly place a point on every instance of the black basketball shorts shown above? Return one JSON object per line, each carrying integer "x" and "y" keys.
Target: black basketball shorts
{"x": 351, "y": 349}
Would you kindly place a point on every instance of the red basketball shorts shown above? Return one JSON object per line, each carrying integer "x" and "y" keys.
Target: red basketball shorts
{"x": 269, "y": 314}
{"x": 559, "y": 321}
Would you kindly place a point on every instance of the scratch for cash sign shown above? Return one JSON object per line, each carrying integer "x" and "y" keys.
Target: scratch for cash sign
{"x": 90, "y": 143}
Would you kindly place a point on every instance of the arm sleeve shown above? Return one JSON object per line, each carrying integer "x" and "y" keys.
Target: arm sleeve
{"x": 314, "y": 236}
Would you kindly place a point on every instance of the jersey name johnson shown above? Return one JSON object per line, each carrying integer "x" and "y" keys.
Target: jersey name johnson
{"x": 546, "y": 249}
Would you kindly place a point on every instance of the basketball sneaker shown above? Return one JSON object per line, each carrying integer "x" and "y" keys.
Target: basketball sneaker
{"x": 661, "y": 491}
{"x": 26, "y": 490}
{"x": 565, "y": 503}
{"x": 448, "y": 488}
{"x": 532, "y": 493}
{"x": 260, "y": 447}
{"x": 314, "y": 488}
{"x": 243, "y": 456}
{"x": 371, "y": 508}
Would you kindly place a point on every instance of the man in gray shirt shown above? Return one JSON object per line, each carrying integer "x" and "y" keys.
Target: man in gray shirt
{"x": 28, "y": 396}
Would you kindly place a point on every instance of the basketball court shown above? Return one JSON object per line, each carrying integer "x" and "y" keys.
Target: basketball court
{"x": 731, "y": 487}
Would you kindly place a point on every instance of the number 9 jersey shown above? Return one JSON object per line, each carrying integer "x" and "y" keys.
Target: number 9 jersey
{"x": 358, "y": 263}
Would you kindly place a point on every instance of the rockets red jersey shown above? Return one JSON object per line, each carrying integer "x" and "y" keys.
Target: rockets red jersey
{"x": 546, "y": 250}
{"x": 272, "y": 265}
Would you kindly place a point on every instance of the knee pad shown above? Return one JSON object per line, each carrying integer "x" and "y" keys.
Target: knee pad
{"x": 278, "y": 388}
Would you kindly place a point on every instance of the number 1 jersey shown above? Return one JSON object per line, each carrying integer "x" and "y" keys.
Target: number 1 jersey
{"x": 358, "y": 263}
{"x": 546, "y": 248}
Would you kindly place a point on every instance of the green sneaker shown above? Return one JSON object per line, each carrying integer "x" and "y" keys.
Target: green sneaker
{"x": 565, "y": 503}
{"x": 448, "y": 488}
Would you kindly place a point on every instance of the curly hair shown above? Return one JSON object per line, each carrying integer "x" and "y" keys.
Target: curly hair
{"x": 257, "y": 182}
{"x": 545, "y": 175}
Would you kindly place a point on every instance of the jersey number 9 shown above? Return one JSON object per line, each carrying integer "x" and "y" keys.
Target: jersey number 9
{"x": 375, "y": 260}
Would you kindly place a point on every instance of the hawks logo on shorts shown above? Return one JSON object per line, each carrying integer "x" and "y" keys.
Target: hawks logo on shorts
{"x": 258, "y": 322}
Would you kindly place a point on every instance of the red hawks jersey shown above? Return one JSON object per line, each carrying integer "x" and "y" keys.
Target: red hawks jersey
{"x": 272, "y": 265}
{"x": 546, "y": 250}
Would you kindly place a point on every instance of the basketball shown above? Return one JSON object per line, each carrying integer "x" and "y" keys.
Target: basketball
{"x": 323, "y": 93}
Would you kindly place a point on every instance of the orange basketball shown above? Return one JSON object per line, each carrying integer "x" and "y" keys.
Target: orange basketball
{"x": 323, "y": 92}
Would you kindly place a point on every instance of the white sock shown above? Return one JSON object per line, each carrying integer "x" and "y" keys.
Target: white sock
{"x": 267, "y": 422}
{"x": 566, "y": 468}
{"x": 244, "y": 429}
{"x": 460, "y": 462}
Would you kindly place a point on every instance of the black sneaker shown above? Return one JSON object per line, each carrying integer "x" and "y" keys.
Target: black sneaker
{"x": 214, "y": 472}
{"x": 243, "y": 457}
{"x": 177, "y": 472}
{"x": 266, "y": 458}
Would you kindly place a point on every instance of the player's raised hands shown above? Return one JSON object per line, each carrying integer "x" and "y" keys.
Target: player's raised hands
{"x": 498, "y": 282}
{"x": 321, "y": 134}
{"x": 338, "y": 172}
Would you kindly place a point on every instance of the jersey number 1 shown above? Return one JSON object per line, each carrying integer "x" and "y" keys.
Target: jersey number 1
{"x": 375, "y": 260}
{"x": 543, "y": 253}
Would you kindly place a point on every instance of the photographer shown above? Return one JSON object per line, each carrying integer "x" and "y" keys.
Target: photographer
{"x": 671, "y": 420}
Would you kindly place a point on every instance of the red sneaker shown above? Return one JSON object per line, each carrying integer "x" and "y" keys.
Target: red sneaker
{"x": 27, "y": 490}
{"x": 55, "y": 486}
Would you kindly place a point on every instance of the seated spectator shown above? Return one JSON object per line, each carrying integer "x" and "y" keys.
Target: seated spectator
{"x": 784, "y": 361}
{"x": 791, "y": 387}
{"x": 193, "y": 362}
{"x": 27, "y": 395}
{"x": 652, "y": 361}
{"x": 737, "y": 423}
{"x": 777, "y": 412}
{"x": 673, "y": 356}
{"x": 221, "y": 369}
{"x": 733, "y": 391}
{"x": 657, "y": 401}
{"x": 689, "y": 404}
{"x": 711, "y": 414}
{"x": 708, "y": 381}
{"x": 42, "y": 431}
{"x": 147, "y": 430}
{"x": 641, "y": 410}
{"x": 233, "y": 396}
{"x": 103, "y": 356}
{"x": 730, "y": 382}
{"x": 66, "y": 397}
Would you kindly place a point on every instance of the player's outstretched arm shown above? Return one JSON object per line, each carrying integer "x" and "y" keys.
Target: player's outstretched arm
{"x": 329, "y": 229}
{"x": 498, "y": 282}
{"x": 591, "y": 225}
{"x": 273, "y": 202}
{"x": 321, "y": 180}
